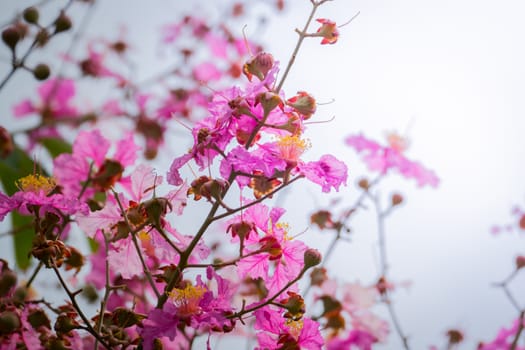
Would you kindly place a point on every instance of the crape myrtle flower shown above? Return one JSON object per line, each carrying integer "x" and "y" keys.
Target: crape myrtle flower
{"x": 382, "y": 159}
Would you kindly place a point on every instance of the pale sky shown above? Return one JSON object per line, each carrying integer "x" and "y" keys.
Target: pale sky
{"x": 449, "y": 74}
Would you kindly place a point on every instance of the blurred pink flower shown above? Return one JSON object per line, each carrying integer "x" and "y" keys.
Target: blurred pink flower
{"x": 384, "y": 158}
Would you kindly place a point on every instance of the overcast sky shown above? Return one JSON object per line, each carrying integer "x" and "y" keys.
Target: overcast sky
{"x": 450, "y": 75}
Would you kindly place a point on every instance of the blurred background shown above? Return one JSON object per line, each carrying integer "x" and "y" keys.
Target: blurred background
{"x": 448, "y": 75}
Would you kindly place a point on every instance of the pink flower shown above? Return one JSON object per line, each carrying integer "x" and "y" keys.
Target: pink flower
{"x": 357, "y": 339}
{"x": 159, "y": 324}
{"x": 206, "y": 72}
{"x": 276, "y": 332}
{"x": 35, "y": 194}
{"x": 55, "y": 101}
{"x": 284, "y": 254}
{"x": 384, "y": 158}
{"x": 89, "y": 160}
{"x": 504, "y": 338}
{"x": 328, "y": 172}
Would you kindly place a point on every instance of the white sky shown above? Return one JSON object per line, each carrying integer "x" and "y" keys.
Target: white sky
{"x": 451, "y": 70}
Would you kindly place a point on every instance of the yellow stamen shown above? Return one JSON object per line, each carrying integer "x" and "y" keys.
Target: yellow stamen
{"x": 144, "y": 237}
{"x": 295, "y": 327}
{"x": 286, "y": 228}
{"x": 187, "y": 299}
{"x": 36, "y": 183}
{"x": 397, "y": 142}
{"x": 292, "y": 147}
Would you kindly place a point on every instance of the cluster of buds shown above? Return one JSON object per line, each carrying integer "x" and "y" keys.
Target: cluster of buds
{"x": 19, "y": 30}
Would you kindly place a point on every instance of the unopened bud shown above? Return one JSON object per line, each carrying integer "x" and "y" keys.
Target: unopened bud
{"x": 31, "y": 15}
{"x": 62, "y": 23}
{"x": 42, "y": 37}
{"x": 522, "y": 222}
{"x": 259, "y": 65}
{"x": 318, "y": 276}
{"x": 90, "y": 293}
{"x": 454, "y": 337}
{"x": 41, "y": 71}
{"x": 7, "y": 282}
{"x": 268, "y": 101}
{"x": 312, "y": 257}
{"x": 520, "y": 262}
{"x": 303, "y": 103}
{"x": 6, "y": 143}
{"x": 10, "y": 36}
{"x": 20, "y": 294}
{"x": 396, "y": 199}
{"x": 38, "y": 318}
{"x": 9, "y": 322}
{"x": 364, "y": 184}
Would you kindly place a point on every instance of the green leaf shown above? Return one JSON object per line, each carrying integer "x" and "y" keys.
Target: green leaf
{"x": 22, "y": 239}
{"x": 93, "y": 245}
{"x": 18, "y": 164}
{"x": 56, "y": 146}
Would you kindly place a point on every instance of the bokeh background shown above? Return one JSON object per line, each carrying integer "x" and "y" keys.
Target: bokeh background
{"x": 449, "y": 75}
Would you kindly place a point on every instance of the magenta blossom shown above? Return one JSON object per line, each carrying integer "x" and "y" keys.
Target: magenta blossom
{"x": 384, "y": 158}
{"x": 36, "y": 197}
{"x": 90, "y": 160}
{"x": 327, "y": 172}
{"x": 55, "y": 101}
{"x": 277, "y": 332}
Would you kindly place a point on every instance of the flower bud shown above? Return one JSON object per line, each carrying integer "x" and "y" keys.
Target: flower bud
{"x": 521, "y": 223}
{"x": 7, "y": 282}
{"x": 520, "y": 262}
{"x": 396, "y": 199}
{"x": 6, "y": 143}
{"x": 38, "y": 318}
{"x": 90, "y": 293}
{"x": 10, "y": 37}
{"x": 20, "y": 294}
{"x": 41, "y": 71}
{"x": 42, "y": 37}
{"x": 454, "y": 336}
{"x": 312, "y": 257}
{"x": 9, "y": 322}
{"x": 303, "y": 103}
{"x": 268, "y": 101}
{"x": 318, "y": 276}
{"x": 364, "y": 184}
{"x": 259, "y": 65}
{"x": 62, "y": 23}
{"x": 31, "y": 15}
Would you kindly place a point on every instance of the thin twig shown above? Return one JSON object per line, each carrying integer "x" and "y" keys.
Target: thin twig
{"x": 71, "y": 296}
